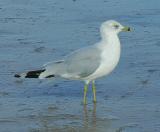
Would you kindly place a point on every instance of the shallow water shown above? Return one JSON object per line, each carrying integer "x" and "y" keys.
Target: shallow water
{"x": 33, "y": 32}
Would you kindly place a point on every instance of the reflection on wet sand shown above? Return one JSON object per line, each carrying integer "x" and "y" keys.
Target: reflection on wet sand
{"x": 92, "y": 122}
{"x": 87, "y": 121}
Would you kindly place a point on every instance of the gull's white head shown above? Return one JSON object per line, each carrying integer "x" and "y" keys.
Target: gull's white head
{"x": 111, "y": 26}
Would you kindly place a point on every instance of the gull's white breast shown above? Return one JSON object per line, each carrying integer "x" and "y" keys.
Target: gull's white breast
{"x": 109, "y": 59}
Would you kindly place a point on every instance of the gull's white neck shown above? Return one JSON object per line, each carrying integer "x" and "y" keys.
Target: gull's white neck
{"x": 110, "y": 47}
{"x": 109, "y": 40}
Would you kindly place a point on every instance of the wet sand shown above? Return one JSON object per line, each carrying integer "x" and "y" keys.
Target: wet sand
{"x": 35, "y": 32}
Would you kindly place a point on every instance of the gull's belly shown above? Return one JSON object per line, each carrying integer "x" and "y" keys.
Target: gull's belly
{"x": 105, "y": 68}
{"x": 108, "y": 63}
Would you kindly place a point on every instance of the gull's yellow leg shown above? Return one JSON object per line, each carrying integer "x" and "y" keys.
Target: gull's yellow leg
{"x": 94, "y": 91}
{"x": 85, "y": 93}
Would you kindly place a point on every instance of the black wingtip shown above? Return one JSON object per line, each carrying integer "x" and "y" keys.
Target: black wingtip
{"x": 17, "y": 76}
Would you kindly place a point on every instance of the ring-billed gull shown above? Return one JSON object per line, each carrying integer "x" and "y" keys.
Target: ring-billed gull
{"x": 89, "y": 63}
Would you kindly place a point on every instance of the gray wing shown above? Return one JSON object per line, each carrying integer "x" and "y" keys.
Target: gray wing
{"x": 78, "y": 64}
{"x": 83, "y": 62}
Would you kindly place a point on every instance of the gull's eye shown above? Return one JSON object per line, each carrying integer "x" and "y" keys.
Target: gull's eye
{"x": 116, "y": 26}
